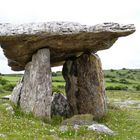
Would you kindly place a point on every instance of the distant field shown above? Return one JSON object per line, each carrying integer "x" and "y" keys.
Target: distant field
{"x": 124, "y": 79}
{"x": 12, "y": 78}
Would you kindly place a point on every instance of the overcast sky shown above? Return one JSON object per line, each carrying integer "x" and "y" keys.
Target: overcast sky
{"x": 124, "y": 53}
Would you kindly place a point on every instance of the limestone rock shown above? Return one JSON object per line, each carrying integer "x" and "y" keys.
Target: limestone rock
{"x": 82, "y": 119}
{"x": 64, "y": 39}
{"x": 63, "y": 128}
{"x": 85, "y": 85}
{"x": 36, "y": 90}
{"x": 2, "y": 135}
{"x": 15, "y": 96}
{"x": 7, "y": 97}
{"x": 60, "y": 105}
{"x": 100, "y": 128}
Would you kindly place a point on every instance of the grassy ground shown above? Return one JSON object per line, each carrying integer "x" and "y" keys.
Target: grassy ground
{"x": 123, "y": 121}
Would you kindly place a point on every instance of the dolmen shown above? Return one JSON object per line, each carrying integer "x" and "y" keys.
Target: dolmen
{"x": 36, "y": 47}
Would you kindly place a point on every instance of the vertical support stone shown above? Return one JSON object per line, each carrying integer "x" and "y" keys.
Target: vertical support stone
{"x": 85, "y": 85}
{"x": 36, "y": 92}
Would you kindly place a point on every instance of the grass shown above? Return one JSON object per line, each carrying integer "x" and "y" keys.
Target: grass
{"x": 12, "y": 78}
{"x": 124, "y": 79}
{"x": 125, "y": 122}
{"x": 21, "y": 126}
{"x": 58, "y": 78}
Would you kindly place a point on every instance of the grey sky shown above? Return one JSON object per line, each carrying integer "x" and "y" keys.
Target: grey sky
{"x": 124, "y": 53}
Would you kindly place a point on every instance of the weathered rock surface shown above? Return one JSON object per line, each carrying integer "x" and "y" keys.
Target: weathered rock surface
{"x": 7, "y": 97}
{"x": 36, "y": 93}
{"x": 64, "y": 39}
{"x": 15, "y": 96}
{"x": 84, "y": 120}
{"x": 100, "y": 128}
{"x": 2, "y": 135}
{"x": 85, "y": 85}
{"x": 60, "y": 105}
{"x": 132, "y": 104}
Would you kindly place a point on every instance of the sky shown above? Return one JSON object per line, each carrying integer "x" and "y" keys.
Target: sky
{"x": 125, "y": 53}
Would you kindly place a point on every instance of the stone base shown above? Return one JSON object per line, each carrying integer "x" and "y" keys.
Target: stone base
{"x": 85, "y": 85}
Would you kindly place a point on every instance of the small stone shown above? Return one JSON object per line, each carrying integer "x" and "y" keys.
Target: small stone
{"x": 2, "y": 135}
{"x": 60, "y": 105}
{"x": 101, "y": 129}
{"x": 6, "y": 97}
{"x": 10, "y": 109}
{"x": 76, "y": 126}
{"x": 86, "y": 120}
{"x": 83, "y": 119}
{"x": 63, "y": 128}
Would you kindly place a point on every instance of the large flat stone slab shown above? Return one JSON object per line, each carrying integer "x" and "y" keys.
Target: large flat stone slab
{"x": 64, "y": 40}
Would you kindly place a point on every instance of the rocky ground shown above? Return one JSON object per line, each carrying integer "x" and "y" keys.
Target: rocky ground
{"x": 132, "y": 104}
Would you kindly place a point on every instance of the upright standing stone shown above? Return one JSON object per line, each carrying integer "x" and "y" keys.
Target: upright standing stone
{"x": 36, "y": 90}
{"x": 85, "y": 85}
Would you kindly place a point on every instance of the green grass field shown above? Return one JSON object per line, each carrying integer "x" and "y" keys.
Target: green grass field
{"x": 124, "y": 79}
{"x": 125, "y": 122}
{"x": 12, "y": 78}
{"x": 129, "y": 79}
